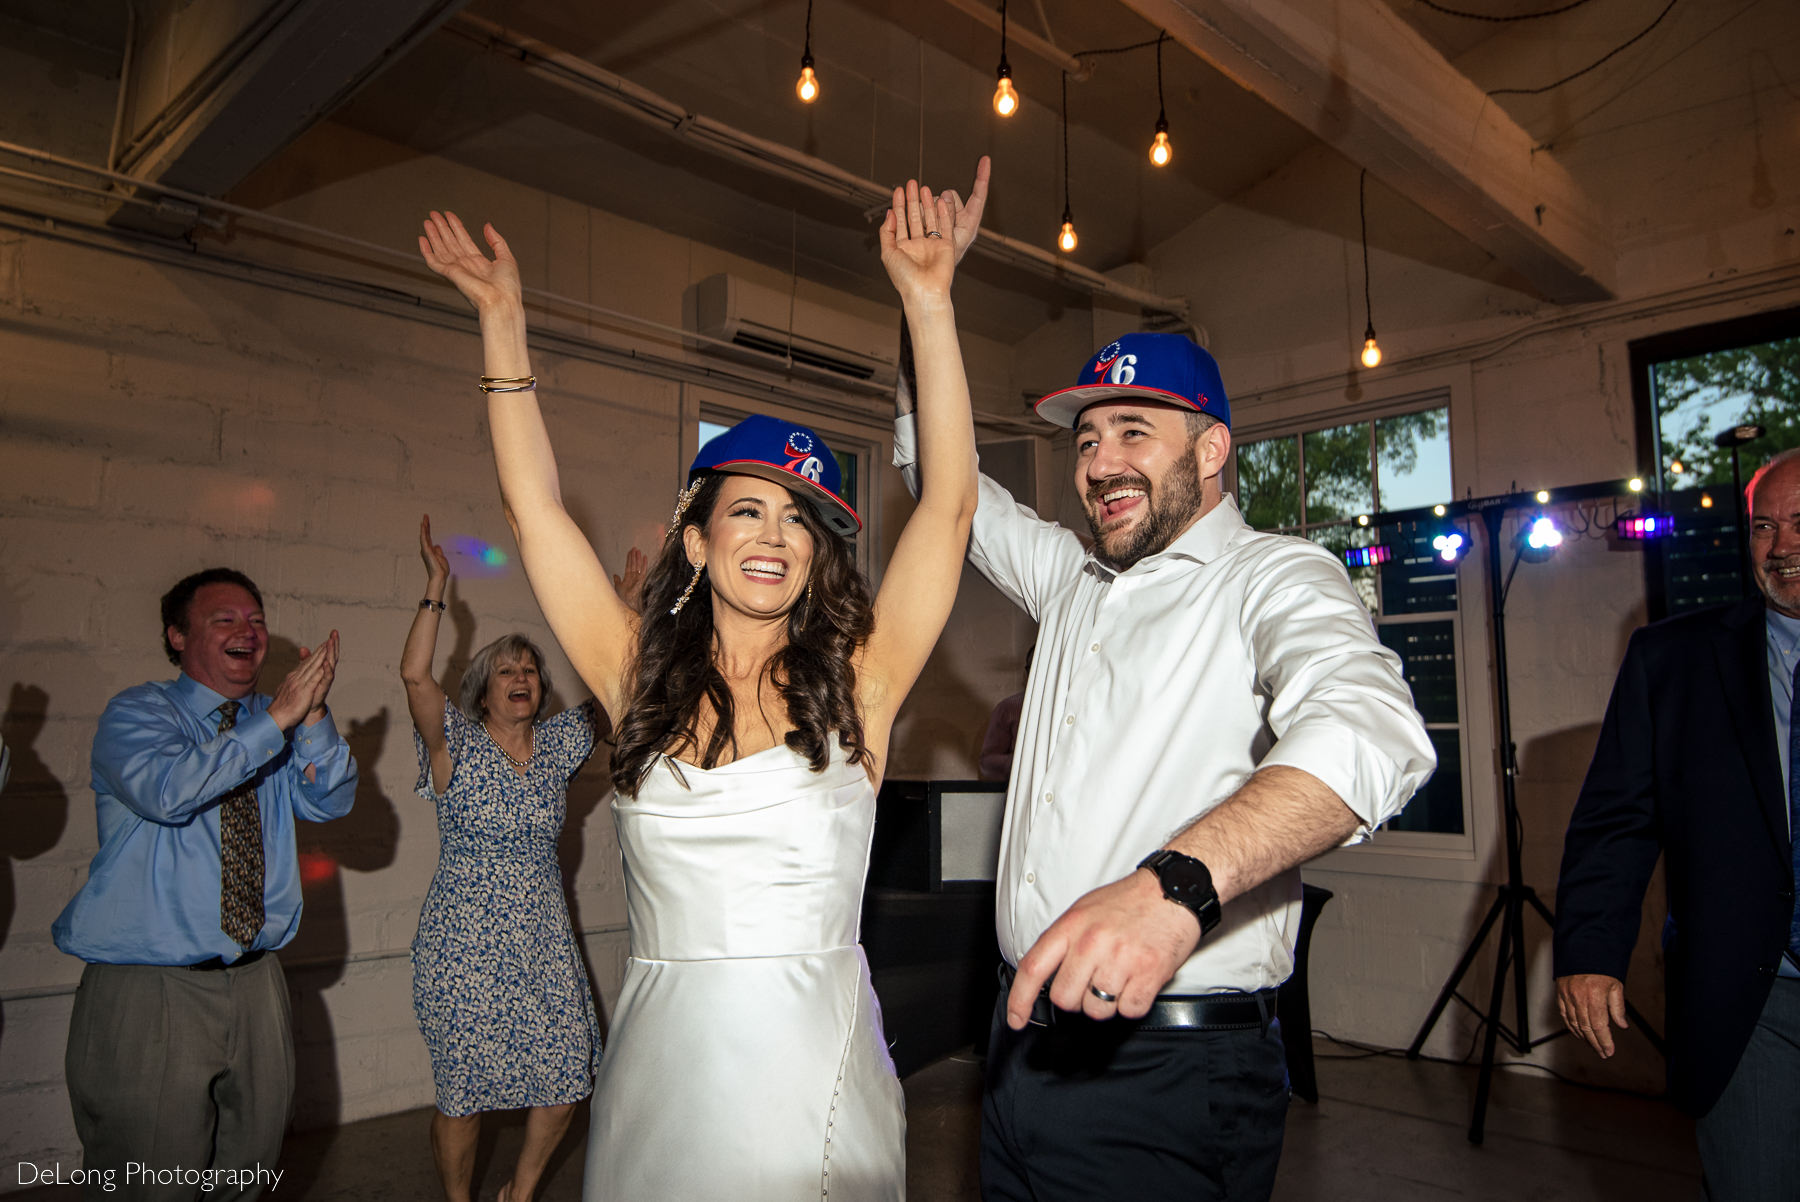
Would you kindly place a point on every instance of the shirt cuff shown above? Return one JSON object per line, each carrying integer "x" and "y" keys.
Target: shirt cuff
{"x": 1367, "y": 780}
{"x": 906, "y": 440}
{"x": 260, "y": 738}
{"x": 311, "y": 742}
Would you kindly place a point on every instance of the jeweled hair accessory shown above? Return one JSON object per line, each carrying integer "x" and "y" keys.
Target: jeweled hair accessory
{"x": 682, "y": 501}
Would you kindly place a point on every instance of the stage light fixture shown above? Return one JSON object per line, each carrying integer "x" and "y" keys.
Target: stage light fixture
{"x": 1448, "y": 545}
{"x": 1640, "y": 526}
{"x": 1438, "y": 509}
{"x": 1543, "y": 496}
{"x": 1368, "y": 557}
{"x": 1635, "y": 484}
{"x": 1539, "y": 540}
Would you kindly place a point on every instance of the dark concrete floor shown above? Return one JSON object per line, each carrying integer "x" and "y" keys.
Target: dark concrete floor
{"x": 1384, "y": 1128}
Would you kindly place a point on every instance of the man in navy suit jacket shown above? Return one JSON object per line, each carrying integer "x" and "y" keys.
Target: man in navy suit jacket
{"x": 1694, "y": 762}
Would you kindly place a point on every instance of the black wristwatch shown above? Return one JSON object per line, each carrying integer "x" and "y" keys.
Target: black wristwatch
{"x": 1186, "y": 882}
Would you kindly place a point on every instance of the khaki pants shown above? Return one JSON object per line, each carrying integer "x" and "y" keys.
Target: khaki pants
{"x": 172, "y": 1069}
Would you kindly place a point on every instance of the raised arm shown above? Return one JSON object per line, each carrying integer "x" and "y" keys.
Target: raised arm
{"x": 920, "y": 582}
{"x": 424, "y": 699}
{"x": 594, "y": 627}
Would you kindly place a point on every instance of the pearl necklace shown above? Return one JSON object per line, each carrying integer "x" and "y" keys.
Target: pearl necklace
{"x": 523, "y": 765}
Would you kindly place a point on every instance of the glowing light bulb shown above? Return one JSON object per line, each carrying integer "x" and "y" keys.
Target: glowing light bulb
{"x": 1635, "y": 484}
{"x": 1066, "y": 240}
{"x": 1438, "y": 509}
{"x": 1676, "y": 467}
{"x": 808, "y": 87}
{"x": 1371, "y": 353}
{"x": 1362, "y": 519}
{"x": 1160, "y": 150}
{"x": 1006, "y": 97}
{"x": 1543, "y": 497}
{"x": 1706, "y": 500}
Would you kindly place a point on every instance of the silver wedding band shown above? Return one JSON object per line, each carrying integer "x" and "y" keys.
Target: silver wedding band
{"x": 1102, "y": 994}
{"x": 933, "y": 234}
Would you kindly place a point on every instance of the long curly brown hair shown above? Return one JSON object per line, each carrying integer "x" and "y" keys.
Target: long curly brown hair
{"x": 674, "y": 670}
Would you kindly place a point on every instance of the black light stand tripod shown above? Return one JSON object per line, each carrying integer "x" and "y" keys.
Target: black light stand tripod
{"x": 1508, "y": 910}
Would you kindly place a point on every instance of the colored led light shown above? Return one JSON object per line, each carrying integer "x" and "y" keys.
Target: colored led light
{"x": 1368, "y": 557}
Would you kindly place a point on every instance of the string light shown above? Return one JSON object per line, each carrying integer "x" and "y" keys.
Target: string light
{"x": 1065, "y": 240}
{"x": 807, "y": 88}
{"x": 1160, "y": 150}
{"x": 1006, "y": 97}
{"x": 1371, "y": 351}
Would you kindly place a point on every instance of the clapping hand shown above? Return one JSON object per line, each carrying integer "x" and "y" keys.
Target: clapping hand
{"x": 449, "y": 251}
{"x": 437, "y": 564}
{"x": 630, "y": 586}
{"x": 301, "y": 697}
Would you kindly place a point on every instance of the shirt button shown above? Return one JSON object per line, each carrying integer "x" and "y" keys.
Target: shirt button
{"x": 1069, "y": 721}
{"x": 1031, "y": 878}
{"x": 1049, "y": 797}
{"x": 1095, "y": 647}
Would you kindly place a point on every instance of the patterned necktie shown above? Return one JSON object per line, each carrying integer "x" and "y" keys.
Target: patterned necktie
{"x": 1794, "y": 809}
{"x": 240, "y": 854}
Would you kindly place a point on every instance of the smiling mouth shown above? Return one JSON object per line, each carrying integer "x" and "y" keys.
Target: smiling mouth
{"x": 1118, "y": 501}
{"x": 768, "y": 571}
{"x": 244, "y": 654}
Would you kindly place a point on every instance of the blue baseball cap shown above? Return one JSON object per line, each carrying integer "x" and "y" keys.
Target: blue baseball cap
{"x": 790, "y": 455}
{"x": 1171, "y": 369}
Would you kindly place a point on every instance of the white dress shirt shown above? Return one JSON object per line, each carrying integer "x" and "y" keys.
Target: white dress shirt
{"x": 1156, "y": 692}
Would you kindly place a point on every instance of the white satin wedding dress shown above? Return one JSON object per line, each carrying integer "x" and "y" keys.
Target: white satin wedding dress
{"x": 746, "y": 1061}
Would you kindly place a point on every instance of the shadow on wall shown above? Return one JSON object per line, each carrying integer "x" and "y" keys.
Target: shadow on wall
{"x": 365, "y": 840}
{"x": 36, "y": 804}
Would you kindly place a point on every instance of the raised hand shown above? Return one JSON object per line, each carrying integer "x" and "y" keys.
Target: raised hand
{"x": 630, "y": 586}
{"x": 965, "y": 216}
{"x": 919, "y": 258}
{"x": 437, "y": 564}
{"x": 449, "y": 251}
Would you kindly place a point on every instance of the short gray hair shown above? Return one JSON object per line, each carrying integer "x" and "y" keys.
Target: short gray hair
{"x": 1779, "y": 459}
{"x": 471, "y": 696}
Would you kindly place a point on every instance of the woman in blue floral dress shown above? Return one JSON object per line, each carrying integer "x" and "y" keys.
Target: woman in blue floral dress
{"x": 499, "y": 987}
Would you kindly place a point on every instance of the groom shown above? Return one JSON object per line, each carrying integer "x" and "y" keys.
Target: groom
{"x": 1191, "y": 676}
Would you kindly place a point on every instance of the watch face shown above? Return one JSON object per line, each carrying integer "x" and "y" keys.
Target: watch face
{"x": 1186, "y": 881}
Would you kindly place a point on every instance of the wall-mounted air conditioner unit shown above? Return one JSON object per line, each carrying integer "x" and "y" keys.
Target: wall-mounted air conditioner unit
{"x": 755, "y": 321}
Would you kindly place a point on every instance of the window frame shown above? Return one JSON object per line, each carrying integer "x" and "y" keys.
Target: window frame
{"x": 872, "y": 443}
{"x": 1643, "y": 354}
{"x": 1463, "y": 857}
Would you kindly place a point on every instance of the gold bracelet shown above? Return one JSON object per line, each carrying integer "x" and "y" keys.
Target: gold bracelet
{"x": 508, "y": 384}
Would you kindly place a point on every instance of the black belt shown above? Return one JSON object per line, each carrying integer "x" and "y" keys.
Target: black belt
{"x": 219, "y": 962}
{"x": 1170, "y": 1011}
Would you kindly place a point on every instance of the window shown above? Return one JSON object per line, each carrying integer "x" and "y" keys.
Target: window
{"x": 1315, "y": 483}
{"x": 1691, "y": 386}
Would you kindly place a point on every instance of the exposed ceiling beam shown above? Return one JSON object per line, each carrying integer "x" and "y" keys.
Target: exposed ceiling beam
{"x": 1367, "y": 84}
{"x": 596, "y": 83}
{"x": 215, "y": 87}
{"x": 1017, "y": 35}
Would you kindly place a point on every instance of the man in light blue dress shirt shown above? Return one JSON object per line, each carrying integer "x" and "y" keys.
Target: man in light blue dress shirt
{"x": 180, "y": 1057}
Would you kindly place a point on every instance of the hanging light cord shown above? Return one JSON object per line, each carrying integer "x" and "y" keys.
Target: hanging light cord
{"x": 807, "y": 51}
{"x": 1457, "y": 12}
{"x": 1002, "y": 31}
{"x": 1362, "y": 214}
{"x": 1591, "y": 66}
{"x": 1162, "y": 111}
{"x": 1065, "y": 125}
{"x": 1118, "y": 49}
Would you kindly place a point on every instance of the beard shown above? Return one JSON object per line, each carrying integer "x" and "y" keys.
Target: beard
{"x": 1172, "y": 503}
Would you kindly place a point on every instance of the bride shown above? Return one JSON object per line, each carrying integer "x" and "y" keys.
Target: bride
{"x": 754, "y": 702}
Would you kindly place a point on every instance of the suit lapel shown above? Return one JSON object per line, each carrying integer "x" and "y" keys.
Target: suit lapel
{"x": 1741, "y": 651}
